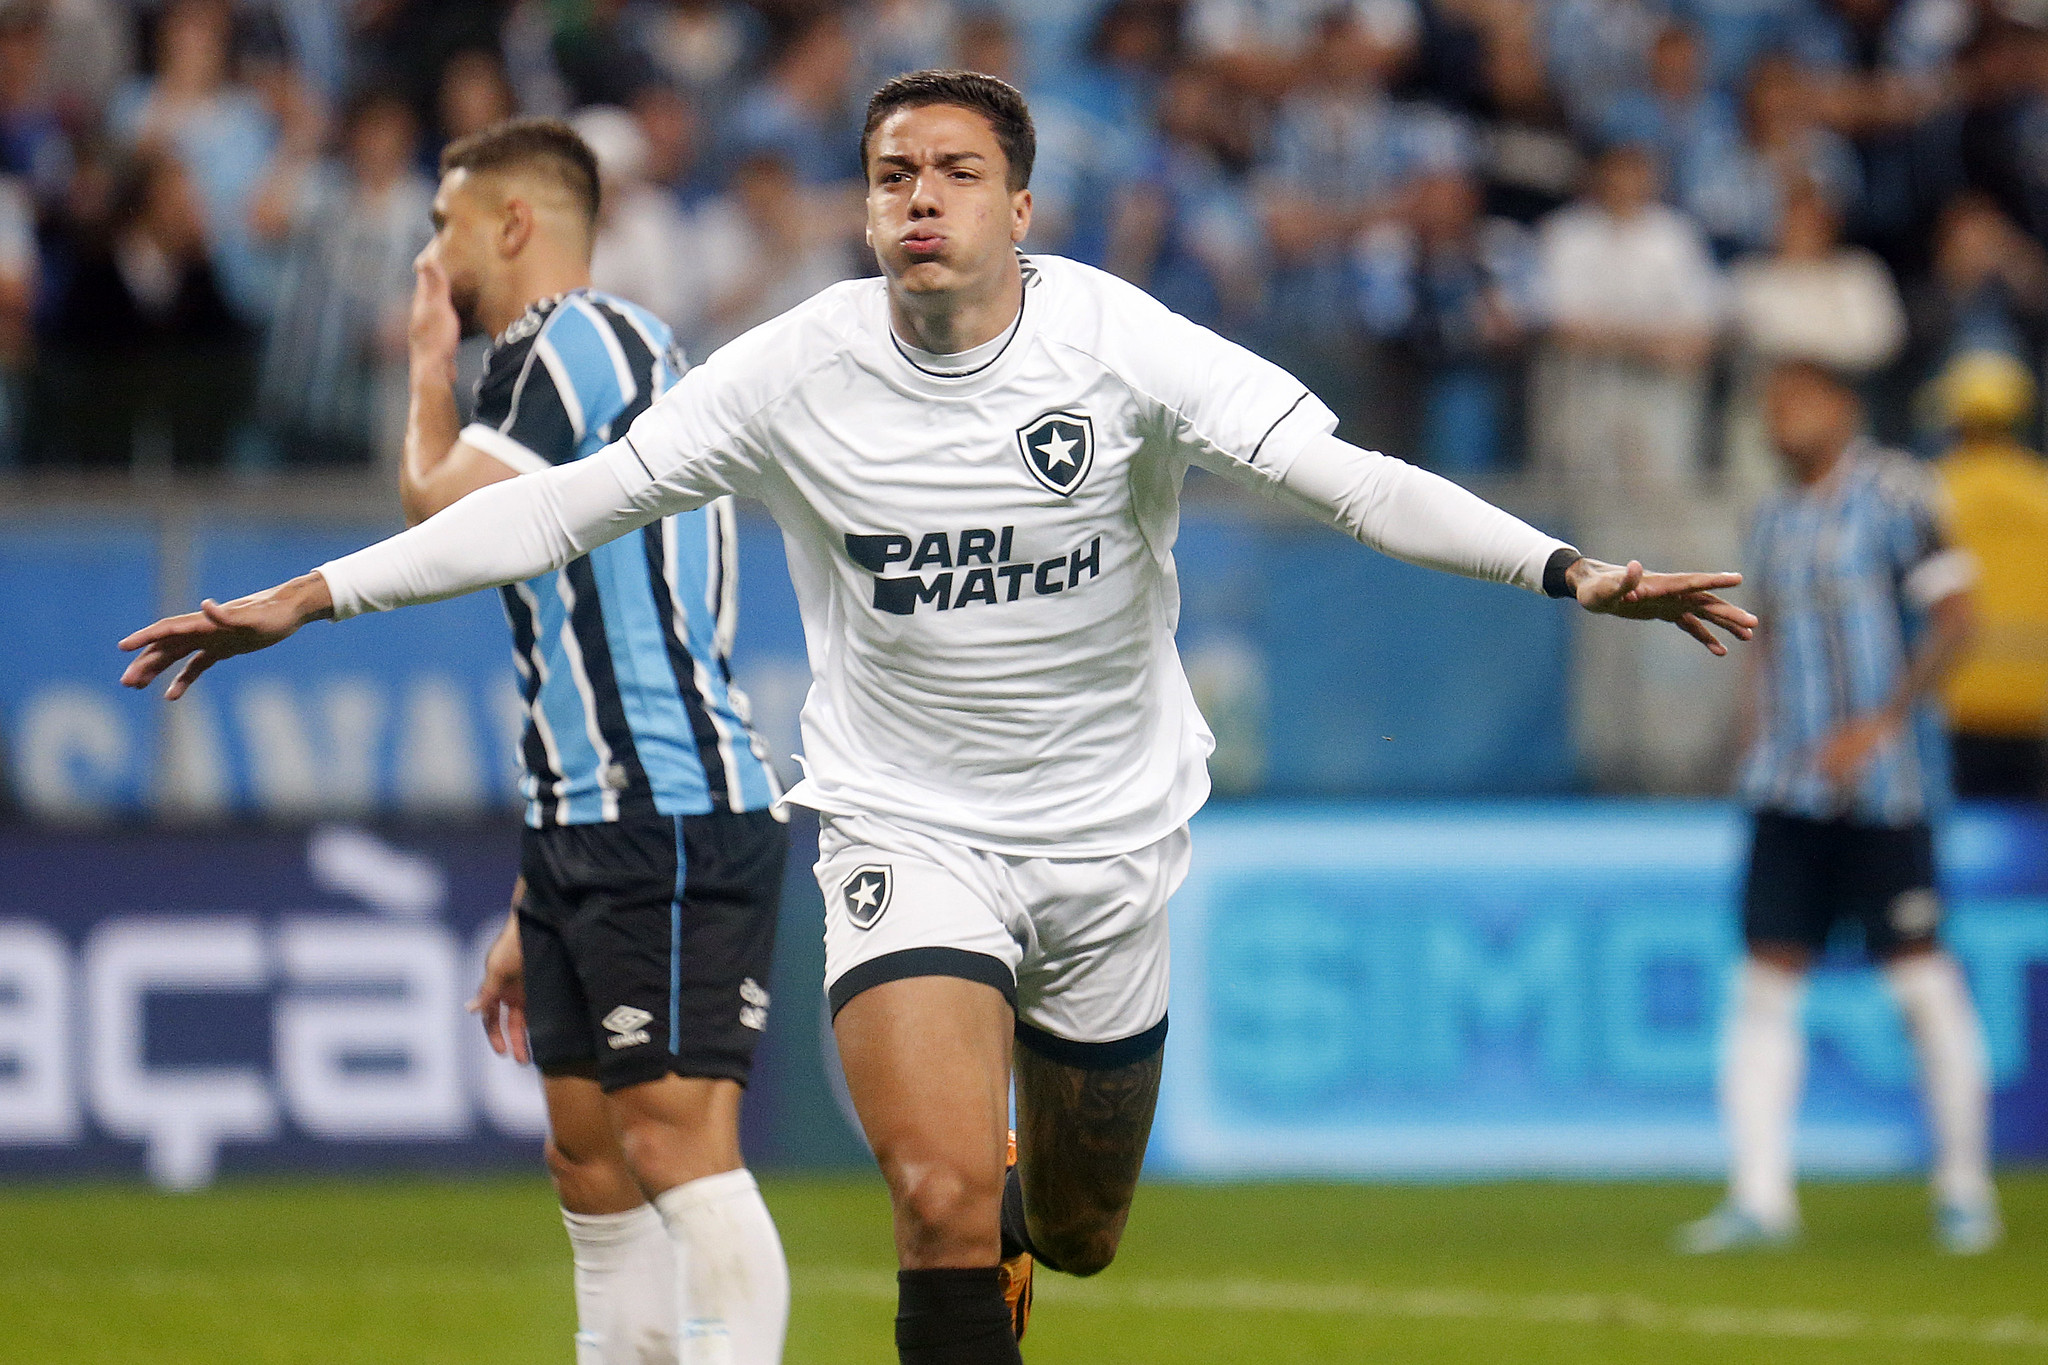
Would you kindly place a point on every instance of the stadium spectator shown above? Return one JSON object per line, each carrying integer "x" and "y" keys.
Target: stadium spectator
{"x": 1998, "y": 698}
{"x": 802, "y": 113}
{"x": 219, "y": 128}
{"x": 1987, "y": 290}
{"x": 147, "y": 365}
{"x": 19, "y": 269}
{"x": 1453, "y": 296}
{"x": 673, "y": 128}
{"x": 896, "y": 36}
{"x": 702, "y": 48}
{"x": 1633, "y": 302}
{"x": 1738, "y": 194}
{"x": 1813, "y": 299}
{"x": 1598, "y": 51}
{"x": 1531, "y": 163}
{"x": 1343, "y": 150}
{"x": 333, "y": 375}
{"x": 1689, "y": 126}
{"x": 1186, "y": 229}
{"x": 1736, "y": 34}
{"x": 1268, "y": 46}
{"x": 473, "y": 93}
{"x": 764, "y": 246}
{"x": 1883, "y": 74}
{"x": 645, "y": 247}
{"x": 2005, "y": 132}
{"x": 91, "y": 50}
{"x": 34, "y": 146}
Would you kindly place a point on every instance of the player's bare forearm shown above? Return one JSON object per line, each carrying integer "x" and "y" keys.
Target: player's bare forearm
{"x": 1081, "y": 1137}
{"x": 1951, "y": 623}
{"x": 222, "y": 630}
{"x": 1689, "y": 601}
{"x": 432, "y": 427}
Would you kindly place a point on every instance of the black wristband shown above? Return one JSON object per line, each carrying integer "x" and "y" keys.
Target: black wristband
{"x": 1561, "y": 559}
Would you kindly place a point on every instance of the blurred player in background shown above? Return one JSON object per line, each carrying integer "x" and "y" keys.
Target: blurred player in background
{"x": 976, "y": 460}
{"x": 1998, "y": 698}
{"x": 1866, "y": 608}
{"x": 643, "y": 925}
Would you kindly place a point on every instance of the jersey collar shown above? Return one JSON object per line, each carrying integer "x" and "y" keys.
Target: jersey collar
{"x": 970, "y": 371}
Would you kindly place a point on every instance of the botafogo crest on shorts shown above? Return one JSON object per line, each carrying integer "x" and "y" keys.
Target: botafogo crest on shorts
{"x": 865, "y": 893}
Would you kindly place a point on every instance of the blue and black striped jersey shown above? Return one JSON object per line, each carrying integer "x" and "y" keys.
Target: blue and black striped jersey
{"x": 623, "y": 655}
{"x": 1844, "y": 574}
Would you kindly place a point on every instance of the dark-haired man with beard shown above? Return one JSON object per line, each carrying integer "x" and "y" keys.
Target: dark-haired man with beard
{"x": 632, "y": 968}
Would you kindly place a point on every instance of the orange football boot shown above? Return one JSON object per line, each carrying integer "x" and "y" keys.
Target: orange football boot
{"x": 1015, "y": 1274}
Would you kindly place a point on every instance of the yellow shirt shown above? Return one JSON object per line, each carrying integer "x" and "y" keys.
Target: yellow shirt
{"x": 1999, "y": 492}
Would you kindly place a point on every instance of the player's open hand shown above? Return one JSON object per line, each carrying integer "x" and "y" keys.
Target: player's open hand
{"x": 433, "y": 331}
{"x": 1687, "y": 600}
{"x": 222, "y": 630}
{"x": 500, "y": 1000}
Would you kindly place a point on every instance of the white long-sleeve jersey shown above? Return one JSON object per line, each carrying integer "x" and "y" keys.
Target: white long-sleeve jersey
{"x": 982, "y": 553}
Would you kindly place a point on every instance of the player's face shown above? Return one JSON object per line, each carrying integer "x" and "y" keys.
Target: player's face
{"x": 1810, "y": 419}
{"x": 941, "y": 214}
{"x": 465, "y": 222}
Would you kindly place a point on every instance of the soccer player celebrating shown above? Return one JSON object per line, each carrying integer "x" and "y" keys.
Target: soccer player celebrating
{"x": 644, "y": 920}
{"x": 1866, "y": 610}
{"x": 976, "y": 461}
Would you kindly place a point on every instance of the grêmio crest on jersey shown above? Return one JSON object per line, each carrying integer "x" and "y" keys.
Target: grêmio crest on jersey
{"x": 1058, "y": 449}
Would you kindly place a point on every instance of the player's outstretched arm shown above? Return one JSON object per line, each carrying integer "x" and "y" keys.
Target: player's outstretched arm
{"x": 1688, "y": 600}
{"x": 504, "y": 533}
{"x": 1425, "y": 519}
{"x": 222, "y": 630}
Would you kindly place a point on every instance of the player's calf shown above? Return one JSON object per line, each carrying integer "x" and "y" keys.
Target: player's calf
{"x": 1084, "y": 1118}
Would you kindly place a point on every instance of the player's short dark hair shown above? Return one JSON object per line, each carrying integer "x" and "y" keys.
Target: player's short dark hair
{"x": 546, "y": 145}
{"x": 997, "y": 101}
{"x": 1819, "y": 371}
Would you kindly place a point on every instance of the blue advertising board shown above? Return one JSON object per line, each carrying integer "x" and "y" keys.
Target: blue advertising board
{"x": 413, "y": 713}
{"x": 1509, "y": 990}
{"x": 1358, "y": 992}
{"x": 184, "y": 1003}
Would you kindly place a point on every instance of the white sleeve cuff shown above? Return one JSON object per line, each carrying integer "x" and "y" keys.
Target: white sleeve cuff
{"x": 518, "y": 458}
{"x": 1941, "y": 575}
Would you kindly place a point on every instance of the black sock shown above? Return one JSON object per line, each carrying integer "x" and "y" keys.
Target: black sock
{"x": 953, "y": 1317}
{"x": 1016, "y": 1234}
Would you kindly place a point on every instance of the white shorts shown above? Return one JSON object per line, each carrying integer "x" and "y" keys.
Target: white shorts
{"x": 1077, "y": 945}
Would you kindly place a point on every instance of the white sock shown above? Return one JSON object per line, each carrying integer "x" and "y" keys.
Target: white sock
{"x": 625, "y": 1288}
{"x": 1954, "y": 1072}
{"x": 1761, "y": 1074}
{"x": 732, "y": 1285}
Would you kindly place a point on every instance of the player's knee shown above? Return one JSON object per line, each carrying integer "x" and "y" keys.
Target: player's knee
{"x": 1082, "y": 1249}
{"x": 942, "y": 1207}
{"x": 583, "y": 1172}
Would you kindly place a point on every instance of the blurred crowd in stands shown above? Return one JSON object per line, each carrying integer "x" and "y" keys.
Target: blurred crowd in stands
{"x": 1555, "y": 234}
{"x": 1559, "y": 240}
{"x": 1560, "y": 233}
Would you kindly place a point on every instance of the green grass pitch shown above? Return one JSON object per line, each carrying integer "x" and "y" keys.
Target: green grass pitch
{"x": 408, "y": 1273}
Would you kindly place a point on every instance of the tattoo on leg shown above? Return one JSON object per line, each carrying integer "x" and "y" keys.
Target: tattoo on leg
{"x": 1081, "y": 1142}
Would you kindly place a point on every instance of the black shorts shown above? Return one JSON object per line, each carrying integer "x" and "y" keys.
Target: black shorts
{"x": 1807, "y": 876}
{"x": 648, "y": 944}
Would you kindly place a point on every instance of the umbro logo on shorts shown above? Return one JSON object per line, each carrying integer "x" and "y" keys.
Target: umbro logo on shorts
{"x": 866, "y": 894}
{"x": 1059, "y": 450}
{"x": 753, "y": 1005}
{"x": 627, "y": 1025}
